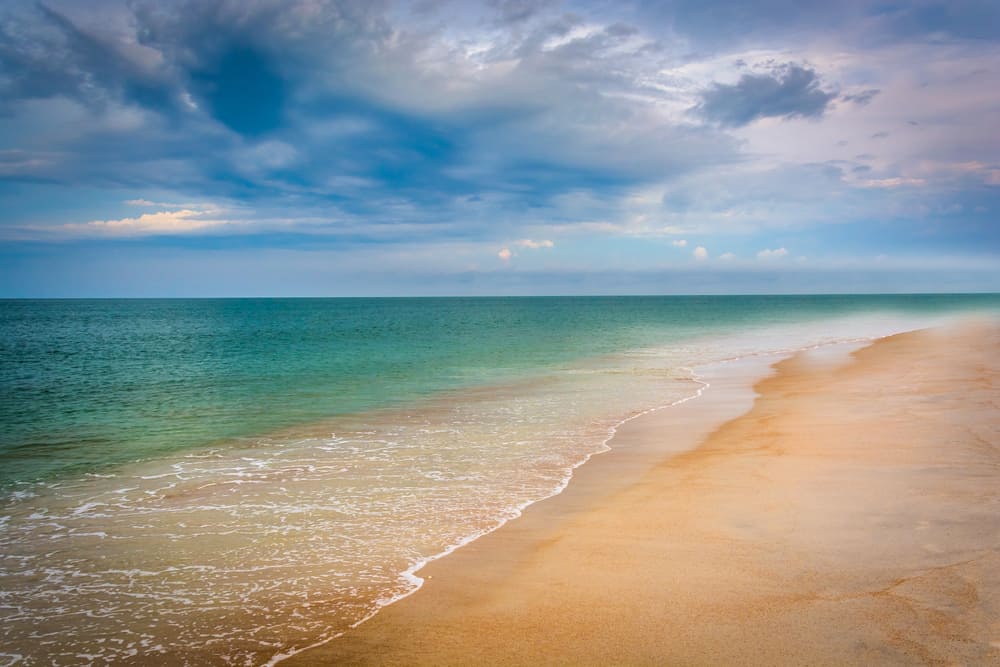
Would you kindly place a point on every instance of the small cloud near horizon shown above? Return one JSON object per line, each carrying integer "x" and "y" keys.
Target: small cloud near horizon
{"x": 777, "y": 253}
{"x": 535, "y": 245}
{"x": 161, "y": 222}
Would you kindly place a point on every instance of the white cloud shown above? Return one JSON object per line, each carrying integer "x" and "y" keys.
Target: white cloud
{"x": 534, "y": 245}
{"x": 679, "y": 243}
{"x": 727, "y": 256}
{"x": 14, "y": 162}
{"x": 266, "y": 155}
{"x": 767, "y": 253}
{"x": 700, "y": 253}
{"x": 891, "y": 182}
{"x": 202, "y": 206}
{"x": 505, "y": 254}
{"x": 161, "y": 222}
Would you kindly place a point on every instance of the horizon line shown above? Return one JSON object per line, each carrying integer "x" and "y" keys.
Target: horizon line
{"x": 490, "y": 296}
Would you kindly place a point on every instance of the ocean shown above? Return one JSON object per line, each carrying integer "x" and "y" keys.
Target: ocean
{"x": 201, "y": 481}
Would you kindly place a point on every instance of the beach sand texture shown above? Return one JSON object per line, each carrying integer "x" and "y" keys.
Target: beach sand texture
{"x": 852, "y": 516}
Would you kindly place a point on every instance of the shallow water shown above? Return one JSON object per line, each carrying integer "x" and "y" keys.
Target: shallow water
{"x": 238, "y": 541}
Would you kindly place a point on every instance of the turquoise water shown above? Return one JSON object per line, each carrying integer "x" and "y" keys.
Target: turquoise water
{"x": 86, "y": 384}
{"x": 228, "y": 481}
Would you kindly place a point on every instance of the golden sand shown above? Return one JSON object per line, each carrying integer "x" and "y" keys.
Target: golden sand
{"x": 852, "y": 516}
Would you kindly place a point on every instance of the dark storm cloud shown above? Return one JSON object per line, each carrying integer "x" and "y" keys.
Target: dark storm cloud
{"x": 788, "y": 91}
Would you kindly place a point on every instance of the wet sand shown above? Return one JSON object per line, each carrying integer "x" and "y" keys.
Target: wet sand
{"x": 850, "y": 516}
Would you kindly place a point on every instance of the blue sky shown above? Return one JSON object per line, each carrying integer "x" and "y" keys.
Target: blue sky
{"x": 320, "y": 147}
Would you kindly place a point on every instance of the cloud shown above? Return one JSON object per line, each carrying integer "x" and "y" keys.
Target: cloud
{"x": 787, "y": 91}
{"x": 148, "y": 203}
{"x": 727, "y": 256}
{"x": 777, "y": 253}
{"x": 700, "y": 253}
{"x": 966, "y": 19}
{"x": 56, "y": 55}
{"x": 516, "y": 11}
{"x": 893, "y": 182}
{"x": 534, "y": 245}
{"x": 306, "y": 105}
{"x": 725, "y": 24}
{"x": 267, "y": 155}
{"x": 862, "y": 98}
{"x": 386, "y": 125}
{"x": 505, "y": 254}
{"x": 23, "y": 163}
{"x": 161, "y": 222}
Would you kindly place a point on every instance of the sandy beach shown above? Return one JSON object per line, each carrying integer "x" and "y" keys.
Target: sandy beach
{"x": 850, "y": 514}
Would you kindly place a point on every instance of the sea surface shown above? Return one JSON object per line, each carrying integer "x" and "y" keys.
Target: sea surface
{"x": 229, "y": 481}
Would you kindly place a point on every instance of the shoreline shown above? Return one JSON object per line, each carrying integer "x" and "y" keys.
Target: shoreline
{"x": 410, "y": 573}
{"x": 736, "y": 376}
{"x": 726, "y": 391}
{"x": 502, "y": 571}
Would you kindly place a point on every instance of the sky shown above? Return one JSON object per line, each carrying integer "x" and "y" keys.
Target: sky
{"x": 436, "y": 147}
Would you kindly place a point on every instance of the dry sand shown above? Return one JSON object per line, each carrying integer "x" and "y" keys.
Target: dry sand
{"x": 852, "y": 516}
